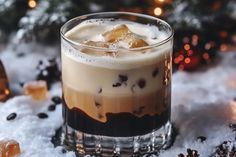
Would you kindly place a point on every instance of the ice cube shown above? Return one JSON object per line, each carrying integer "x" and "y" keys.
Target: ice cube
{"x": 98, "y": 52}
{"x": 36, "y": 89}
{"x": 9, "y": 148}
{"x": 133, "y": 41}
{"x": 97, "y": 44}
{"x": 115, "y": 34}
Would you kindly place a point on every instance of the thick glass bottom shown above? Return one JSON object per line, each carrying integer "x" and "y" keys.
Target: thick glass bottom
{"x": 106, "y": 146}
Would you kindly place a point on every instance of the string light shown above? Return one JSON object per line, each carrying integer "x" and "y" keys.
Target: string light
{"x": 187, "y": 47}
{"x": 32, "y": 3}
{"x": 187, "y": 60}
{"x": 223, "y": 47}
{"x": 157, "y": 11}
{"x": 205, "y": 56}
{"x": 159, "y": 1}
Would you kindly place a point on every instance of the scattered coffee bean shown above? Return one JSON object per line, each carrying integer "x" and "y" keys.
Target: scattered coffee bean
{"x": 11, "y": 116}
{"x": 227, "y": 148}
{"x": 56, "y": 99}
{"x": 116, "y": 84}
{"x": 201, "y": 138}
{"x": 190, "y": 153}
{"x": 155, "y": 72}
{"x": 181, "y": 155}
{"x": 232, "y": 126}
{"x": 21, "y": 54}
{"x": 141, "y": 83}
{"x": 21, "y": 84}
{"x": 42, "y": 115}
{"x": 63, "y": 151}
{"x": 123, "y": 78}
{"x": 51, "y": 107}
{"x": 97, "y": 104}
{"x": 154, "y": 38}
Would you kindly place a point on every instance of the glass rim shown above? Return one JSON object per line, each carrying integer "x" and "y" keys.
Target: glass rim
{"x": 162, "y": 42}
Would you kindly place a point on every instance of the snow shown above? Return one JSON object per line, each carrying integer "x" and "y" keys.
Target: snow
{"x": 202, "y": 105}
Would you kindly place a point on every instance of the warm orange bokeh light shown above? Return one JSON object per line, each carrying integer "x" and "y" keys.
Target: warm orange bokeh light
{"x": 158, "y": 11}
{"x": 187, "y": 60}
{"x": 187, "y": 47}
{"x": 32, "y": 3}
{"x": 159, "y": 1}
{"x": 205, "y": 56}
{"x": 223, "y": 47}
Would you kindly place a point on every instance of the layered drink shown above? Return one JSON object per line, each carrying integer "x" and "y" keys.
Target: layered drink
{"x": 116, "y": 77}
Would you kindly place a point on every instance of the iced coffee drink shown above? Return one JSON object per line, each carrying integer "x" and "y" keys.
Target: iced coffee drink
{"x": 116, "y": 81}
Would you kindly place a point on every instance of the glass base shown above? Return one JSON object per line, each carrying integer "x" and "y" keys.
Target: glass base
{"x": 104, "y": 146}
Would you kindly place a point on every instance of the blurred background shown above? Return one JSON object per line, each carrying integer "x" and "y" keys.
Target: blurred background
{"x": 203, "y": 28}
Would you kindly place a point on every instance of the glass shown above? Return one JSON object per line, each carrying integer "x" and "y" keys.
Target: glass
{"x": 114, "y": 106}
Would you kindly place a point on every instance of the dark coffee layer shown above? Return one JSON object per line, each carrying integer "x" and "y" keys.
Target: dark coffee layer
{"x": 118, "y": 124}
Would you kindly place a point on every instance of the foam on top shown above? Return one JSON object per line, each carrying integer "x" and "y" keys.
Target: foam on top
{"x": 92, "y": 30}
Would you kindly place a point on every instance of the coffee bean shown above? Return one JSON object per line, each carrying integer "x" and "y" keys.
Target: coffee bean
{"x": 42, "y": 115}
{"x": 116, "y": 84}
{"x": 141, "y": 83}
{"x": 21, "y": 84}
{"x": 189, "y": 151}
{"x": 155, "y": 72}
{"x": 21, "y": 54}
{"x": 123, "y": 78}
{"x": 56, "y": 99}
{"x": 11, "y": 116}
{"x": 63, "y": 151}
{"x": 181, "y": 155}
{"x": 201, "y": 138}
{"x": 51, "y": 107}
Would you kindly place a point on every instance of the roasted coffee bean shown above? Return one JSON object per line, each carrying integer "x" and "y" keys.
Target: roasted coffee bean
{"x": 189, "y": 151}
{"x": 181, "y": 155}
{"x": 51, "y": 107}
{"x": 21, "y": 54}
{"x": 63, "y": 151}
{"x": 201, "y": 138}
{"x": 116, "y": 84}
{"x": 42, "y": 115}
{"x": 123, "y": 78}
{"x": 155, "y": 72}
{"x": 21, "y": 84}
{"x": 11, "y": 116}
{"x": 56, "y": 99}
{"x": 141, "y": 83}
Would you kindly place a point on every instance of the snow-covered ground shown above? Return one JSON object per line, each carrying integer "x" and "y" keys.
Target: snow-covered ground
{"x": 203, "y": 104}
